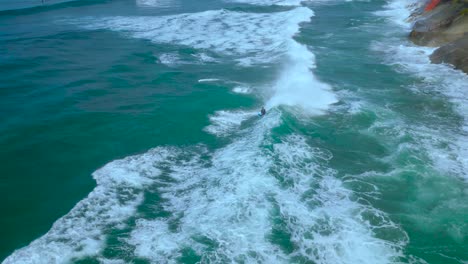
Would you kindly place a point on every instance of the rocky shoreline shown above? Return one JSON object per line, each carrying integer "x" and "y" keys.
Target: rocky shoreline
{"x": 443, "y": 24}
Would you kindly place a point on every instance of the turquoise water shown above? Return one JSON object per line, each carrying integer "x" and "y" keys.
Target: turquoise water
{"x": 130, "y": 134}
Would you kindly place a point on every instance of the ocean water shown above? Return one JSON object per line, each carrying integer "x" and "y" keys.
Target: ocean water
{"x": 130, "y": 134}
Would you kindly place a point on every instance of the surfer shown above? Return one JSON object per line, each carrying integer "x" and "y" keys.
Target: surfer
{"x": 263, "y": 111}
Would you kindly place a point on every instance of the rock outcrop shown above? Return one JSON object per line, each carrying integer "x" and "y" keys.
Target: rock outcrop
{"x": 455, "y": 53}
{"x": 436, "y": 27}
{"x": 446, "y": 25}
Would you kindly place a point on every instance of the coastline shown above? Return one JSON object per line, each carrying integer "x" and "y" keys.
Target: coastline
{"x": 442, "y": 24}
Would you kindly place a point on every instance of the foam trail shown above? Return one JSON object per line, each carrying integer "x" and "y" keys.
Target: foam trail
{"x": 226, "y": 211}
{"x": 155, "y": 3}
{"x": 81, "y": 232}
{"x": 208, "y": 80}
{"x": 226, "y": 203}
{"x": 269, "y": 2}
{"x": 328, "y": 227}
{"x": 224, "y": 206}
{"x": 223, "y": 123}
{"x": 241, "y": 89}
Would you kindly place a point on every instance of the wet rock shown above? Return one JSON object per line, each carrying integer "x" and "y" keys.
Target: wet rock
{"x": 444, "y": 24}
{"x": 417, "y": 10}
{"x": 455, "y": 53}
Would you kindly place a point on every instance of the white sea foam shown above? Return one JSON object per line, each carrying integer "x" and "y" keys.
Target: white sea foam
{"x": 269, "y": 2}
{"x": 169, "y": 59}
{"x": 111, "y": 261}
{"x": 224, "y": 123}
{"x": 208, "y": 80}
{"x": 399, "y": 11}
{"x": 252, "y": 38}
{"x": 224, "y": 207}
{"x": 226, "y": 211}
{"x": 297, "y": 86}
{"x": 174, "y": 59}
{"x": 328, "y": 227}
{"x": 80, "y": 233}
{"x": 204, "y": 57}
{"x": 155, "y": 3}
{"x": 256, "y": 37}
{"x": 437, "y": 77}
{"x": 242, "y": 89}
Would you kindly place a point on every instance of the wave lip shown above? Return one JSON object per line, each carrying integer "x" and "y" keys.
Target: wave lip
{"x": 297, "y": 85}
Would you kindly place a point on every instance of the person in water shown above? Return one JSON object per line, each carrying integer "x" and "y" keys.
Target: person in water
{"x": 263, "y": 111}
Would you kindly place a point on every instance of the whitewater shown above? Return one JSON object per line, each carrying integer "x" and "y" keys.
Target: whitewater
{"x": 322, "y": 178}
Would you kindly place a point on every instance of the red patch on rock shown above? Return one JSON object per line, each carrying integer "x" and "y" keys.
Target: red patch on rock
{"x": 432, "y": 5}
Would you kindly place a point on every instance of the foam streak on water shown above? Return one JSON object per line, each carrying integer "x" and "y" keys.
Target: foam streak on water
{"x": 224, "y": 123}
{"x": 82, "y": 231}
{"x": 269, "y": 2}
{"x": 249, "y": 38}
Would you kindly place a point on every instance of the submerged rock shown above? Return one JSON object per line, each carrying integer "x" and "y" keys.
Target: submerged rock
{"x": 455, "y": 53}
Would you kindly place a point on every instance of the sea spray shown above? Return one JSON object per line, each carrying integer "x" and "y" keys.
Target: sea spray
{"x": 297, "y": 86}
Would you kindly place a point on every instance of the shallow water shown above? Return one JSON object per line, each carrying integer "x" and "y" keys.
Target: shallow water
{"x": 130, "y": 134}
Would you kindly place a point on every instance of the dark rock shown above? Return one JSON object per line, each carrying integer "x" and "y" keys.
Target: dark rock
{"x": 455, "y": 53}
{"x": 434, "y": 28}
